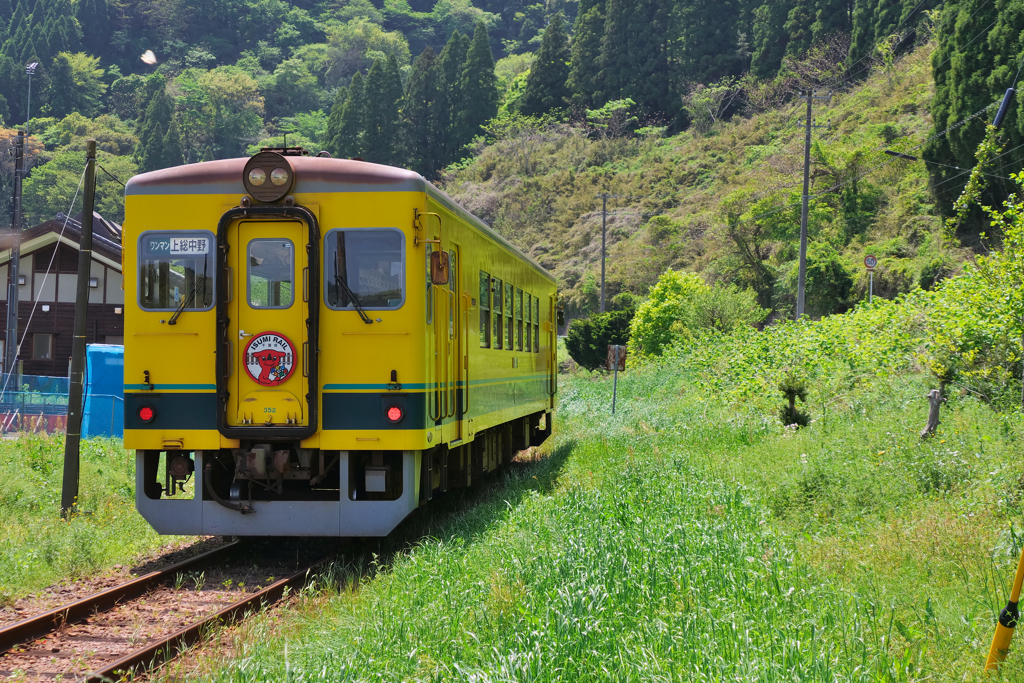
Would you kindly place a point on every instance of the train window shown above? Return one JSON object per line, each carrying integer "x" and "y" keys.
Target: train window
{"x": 485, "y": 309}
{"x": 537, "y": 325}
{"x": 496, "y": 290}
{"x": 508, "y": 316}
{"x": 519, "y": 319}
{"x": 528, "y": 319}
{"x": 367, "y": 264}
{"x": 271, "y": 273}
{"x": 176, "y": 268}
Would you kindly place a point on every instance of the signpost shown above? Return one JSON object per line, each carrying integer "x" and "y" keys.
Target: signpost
{"x": 870, "y": 262}
{"x": 616, "y": 362}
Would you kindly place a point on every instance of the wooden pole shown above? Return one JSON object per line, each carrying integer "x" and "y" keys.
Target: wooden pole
{"x": 11, "y": 343}
{"x": 615, "y": 381}
{"x": 69, "y": 491}
{"x": 802, "y": 272}
{"x": 935, "y": 402}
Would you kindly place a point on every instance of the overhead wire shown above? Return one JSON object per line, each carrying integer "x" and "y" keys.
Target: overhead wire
{"x": 111, "y": 176}
{"x": 877, "y": 167}
{"x": 847, "y": 77}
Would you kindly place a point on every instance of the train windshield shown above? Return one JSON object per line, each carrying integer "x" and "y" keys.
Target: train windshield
{"x": 176, "y": 270}
{"x": 366, "y": 264}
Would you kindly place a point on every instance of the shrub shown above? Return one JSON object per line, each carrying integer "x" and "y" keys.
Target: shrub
{"x": 670, "y": 301}
{"x": 589, "y": 337}
{"x": 681, "y": 304}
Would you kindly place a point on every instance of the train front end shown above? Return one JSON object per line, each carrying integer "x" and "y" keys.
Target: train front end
{"x": 275, "y": 362}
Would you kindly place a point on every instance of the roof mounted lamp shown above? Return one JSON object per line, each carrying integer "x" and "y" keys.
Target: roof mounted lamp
{"x": 268, "y": 176}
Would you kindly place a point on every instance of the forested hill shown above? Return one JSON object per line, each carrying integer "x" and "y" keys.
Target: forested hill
{"x": 429, "y": 84}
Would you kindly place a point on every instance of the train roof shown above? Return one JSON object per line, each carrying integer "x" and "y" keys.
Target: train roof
{"x": 312, "y": 175}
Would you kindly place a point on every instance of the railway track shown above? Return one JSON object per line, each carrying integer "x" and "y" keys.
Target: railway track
{"x": 138, "y": 625}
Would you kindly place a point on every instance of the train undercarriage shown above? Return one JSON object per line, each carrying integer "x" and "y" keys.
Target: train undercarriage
{"x": 279, "y": 489}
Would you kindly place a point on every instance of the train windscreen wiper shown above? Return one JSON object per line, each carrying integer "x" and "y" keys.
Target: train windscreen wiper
{"x": 185, "y": 301}
{"x": 340, "y": 282}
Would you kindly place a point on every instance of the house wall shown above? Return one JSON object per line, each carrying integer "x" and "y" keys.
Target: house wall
{"x": 57, "y": 291}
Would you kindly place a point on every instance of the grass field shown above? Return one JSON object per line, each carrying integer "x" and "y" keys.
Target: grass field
{"x": 37, "y": 547}
{"x": 688, "y": 539}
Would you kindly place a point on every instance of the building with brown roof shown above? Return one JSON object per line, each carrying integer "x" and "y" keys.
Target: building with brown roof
{"x": 48, "y": 282}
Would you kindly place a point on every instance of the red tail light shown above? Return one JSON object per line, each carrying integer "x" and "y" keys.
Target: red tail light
{"x": 146, "y": 413}
{"x": 395, "y": 414}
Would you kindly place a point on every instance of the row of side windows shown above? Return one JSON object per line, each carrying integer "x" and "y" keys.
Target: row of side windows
{"x": 509, "y": 317}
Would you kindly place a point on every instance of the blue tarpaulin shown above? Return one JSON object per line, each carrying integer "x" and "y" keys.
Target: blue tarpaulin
{"x": 104, "y": 391}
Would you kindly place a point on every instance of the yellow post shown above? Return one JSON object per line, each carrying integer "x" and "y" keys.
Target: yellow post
{"x": 1007, "y": 622}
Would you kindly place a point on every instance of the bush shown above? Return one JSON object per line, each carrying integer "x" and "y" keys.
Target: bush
{"x": 669, "y": 302}
{"x": 681, "y": 304}
{"x": 589, "y": 337}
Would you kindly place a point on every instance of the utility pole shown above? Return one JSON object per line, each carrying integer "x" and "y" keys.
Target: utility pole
{"x": 11, "y": 339}
{"x": 808, "y": 125}
{"x": 604, "y": 197}
{"x": 30, "y": 69}
{"x": 69, "y": 490}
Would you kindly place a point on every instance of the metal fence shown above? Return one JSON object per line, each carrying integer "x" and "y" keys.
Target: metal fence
{"x": 33, "y": 403}
{"x": 34, "y": 393}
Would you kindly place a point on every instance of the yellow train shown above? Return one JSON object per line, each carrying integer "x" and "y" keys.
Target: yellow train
{"x": 317, "y": 346}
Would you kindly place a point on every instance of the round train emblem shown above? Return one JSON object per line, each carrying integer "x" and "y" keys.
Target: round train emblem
{"x": 270, "y": 358}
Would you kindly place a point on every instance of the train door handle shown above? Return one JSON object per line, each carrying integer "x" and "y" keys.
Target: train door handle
{"x": 242, "y": 334}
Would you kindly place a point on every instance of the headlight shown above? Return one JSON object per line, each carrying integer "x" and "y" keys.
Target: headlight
{"x": 279, "y": 176}
{"x": 258, "y": 176}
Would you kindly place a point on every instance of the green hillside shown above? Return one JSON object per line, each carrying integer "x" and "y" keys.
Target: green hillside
{"x": 687, "y": 110}
{"x": 726, "y": 202}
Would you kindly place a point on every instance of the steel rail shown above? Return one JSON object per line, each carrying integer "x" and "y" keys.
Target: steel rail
{"x": 35, "y": 627}
{"x": 169, "y": 647}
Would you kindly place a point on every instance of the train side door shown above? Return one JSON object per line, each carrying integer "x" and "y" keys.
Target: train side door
{"x": 449, "y": 316}
{"x": 552, "y": 349}
{"x": 267, "y": 327}
{"x": 457, "y": 317}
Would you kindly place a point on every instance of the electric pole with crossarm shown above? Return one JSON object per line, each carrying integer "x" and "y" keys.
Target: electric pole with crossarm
{"x": 808, "y": 125}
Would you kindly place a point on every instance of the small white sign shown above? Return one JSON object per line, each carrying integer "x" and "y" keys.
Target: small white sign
{"x": 870, "y": 262}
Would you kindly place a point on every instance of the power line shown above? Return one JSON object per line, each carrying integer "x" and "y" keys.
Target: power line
{"x": 839, "y": 186}
{"x": 847, "y": 77}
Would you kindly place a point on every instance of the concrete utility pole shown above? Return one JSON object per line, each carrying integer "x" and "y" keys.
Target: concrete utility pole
{"x": 30, "y": 69}
{"x": 69, "y": 491}
{"x": 11, "y": 339}
{"x": 604, "y": 197}
{"x": 808, "y": 125}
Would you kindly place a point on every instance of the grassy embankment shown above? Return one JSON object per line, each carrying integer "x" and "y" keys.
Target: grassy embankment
{"x": 37, "y": 547}
{"x": 692, "y": 537}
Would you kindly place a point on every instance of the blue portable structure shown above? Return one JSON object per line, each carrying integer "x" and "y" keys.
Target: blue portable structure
{"x": 104, "y": 391}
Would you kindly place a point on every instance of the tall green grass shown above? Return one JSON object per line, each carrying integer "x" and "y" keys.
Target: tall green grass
{"x": 37, "y": 547}
{"x": 687, "y": 538}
